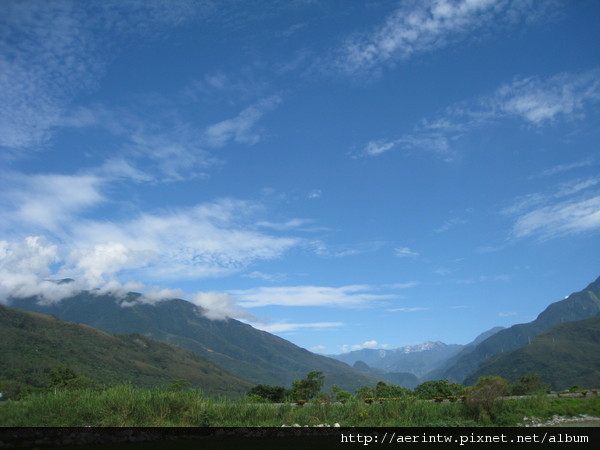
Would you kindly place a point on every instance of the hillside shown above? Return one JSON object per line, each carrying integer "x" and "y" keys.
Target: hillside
{"x": 566, "y": 354}
{"x": 32, "y": 343}
{"x": 577, "y": 306}
{"x": 249, "y": 353}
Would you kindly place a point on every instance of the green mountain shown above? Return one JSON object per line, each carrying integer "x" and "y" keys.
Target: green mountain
{"x": 31, "y": 344}
{"x": 567, "y": 354}
{"x": 239, "y": 348}
{"x": 577, "y": 306}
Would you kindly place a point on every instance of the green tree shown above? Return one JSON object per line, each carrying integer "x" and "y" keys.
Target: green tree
{"x": 364, "y": 392}
{"x": 63, "y": 377}
{"x": 431, "y": 389}
{"x": 482, "y": 397}
{"x": 529, "y": 384}
{"x": 178, "y": 385}
{"x": 275, "y": 394}
{"x": 309, "y": 387}
{"x": 339, "y": 394}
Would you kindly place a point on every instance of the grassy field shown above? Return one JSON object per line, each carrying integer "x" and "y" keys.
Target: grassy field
{"x": 134, "y": 407}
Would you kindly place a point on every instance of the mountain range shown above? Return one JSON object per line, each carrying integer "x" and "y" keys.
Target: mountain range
{"x": 251, "y": 354}
{"x": 32, "y": 344}
{"x": 567, "y": 354}
{"x": 577, "y": 306}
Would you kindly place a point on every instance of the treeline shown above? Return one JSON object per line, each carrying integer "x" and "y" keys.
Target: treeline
{"x": 311, "y": 389}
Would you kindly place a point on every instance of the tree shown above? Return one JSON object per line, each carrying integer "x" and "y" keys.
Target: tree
{"x": 309, "y": 387}
{"x": 482, "y": 397}
{"x": 63, "y": 377}
{"x": 529, "y": 384}
{"x": 275, "y": 394}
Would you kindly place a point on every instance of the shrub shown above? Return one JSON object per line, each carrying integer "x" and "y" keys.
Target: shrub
{"x": 482, "y": 397}
{"x": 275, "y": 394}
{"x": 529, "y": 385}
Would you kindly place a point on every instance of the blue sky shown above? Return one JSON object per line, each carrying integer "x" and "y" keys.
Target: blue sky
{"x": 344, "y": 174}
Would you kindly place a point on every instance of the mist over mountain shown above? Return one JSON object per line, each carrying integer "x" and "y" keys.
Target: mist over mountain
{"x": 244, "y": 351}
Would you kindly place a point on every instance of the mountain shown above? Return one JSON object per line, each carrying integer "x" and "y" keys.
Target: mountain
{"x": 32, "y": 343}
{"x": 416, "y": 359}
{"x": 567, "y": 354}
{"x": 438, "y": 374}
{"x": 244, "y": 351}
{"x": 577, "y": 306}
{"x": 404, "y": 379}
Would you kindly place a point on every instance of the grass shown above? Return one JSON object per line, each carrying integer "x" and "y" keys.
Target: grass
{"x": 130, "y": 406}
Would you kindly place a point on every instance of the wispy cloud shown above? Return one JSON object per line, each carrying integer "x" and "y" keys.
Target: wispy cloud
{"x": 560, "y": 168}
{"x": 240, "y": 129}
{"x": 50, "y": 52}
{"x": 47, "y": 201}
{"x": 418, "y": 27}
{"x": 568, "y": 217}
{"x": 343, "y": 296}
{"x": 408, "y": 309}
{"x": 533, "y": 101}
{"x": 573, "y": 207}
{"x": 405, "y": 252}
{"x": 288, "y": 327}
{"x": 367, "y": 344}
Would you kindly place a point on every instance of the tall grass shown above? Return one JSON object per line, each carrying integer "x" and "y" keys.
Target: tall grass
{"x": 130, "y": 406}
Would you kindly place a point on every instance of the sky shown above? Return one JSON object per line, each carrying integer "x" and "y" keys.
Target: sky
{"x": 343, "y": 174}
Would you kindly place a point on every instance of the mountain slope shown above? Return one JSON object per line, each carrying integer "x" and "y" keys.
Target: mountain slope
{"x": 438, "y": 374}
{"x": 567, "y": 354}
{"x": 241, "y": 349}
{"x": 577, "y": 306}
{"x": 32, "y": 343}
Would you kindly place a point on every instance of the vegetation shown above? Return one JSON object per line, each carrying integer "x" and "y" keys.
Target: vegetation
{"x": 126, "y": 405}
{"x": 235, "y": 347}
{"x": 41, "y": 351}
{"x": 564, "y": 355}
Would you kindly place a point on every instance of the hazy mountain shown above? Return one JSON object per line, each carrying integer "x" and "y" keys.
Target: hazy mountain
{"x": 567, "y": 354}
{"x": 416, "y": 359}
{"x": 439, "y": 373}
{"x": 32, "y": 343}
{"x": 577, "y": 306}
{"x": 239, "y": 348}
{"x": 404, "y": 379}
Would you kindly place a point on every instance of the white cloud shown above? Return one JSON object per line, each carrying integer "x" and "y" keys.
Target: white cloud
{"x": 344, "y": 296}
{"x": 367, "y": 344}
{"x": 534, "y": 101}
{"x": 405, "y": 252}
{"x": 47, "y": 201}
{"x": 422, "y": 26}
{"x": 563, "y": 218}
{"x": 50, "y": 52}
{"x": 539, "y": 101}
{"x": 284, "y": 326}
{"x": 450, "y": 223}
{"x": 240, "y": 129}
{"x": 219, "y": 306}
{"x": 573, "y": 207}
{"x": 408, "y": 309}
{"x": 565, "y": 167}
{"x": 318, "y": 348}
{"x": 507, "y": 314}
